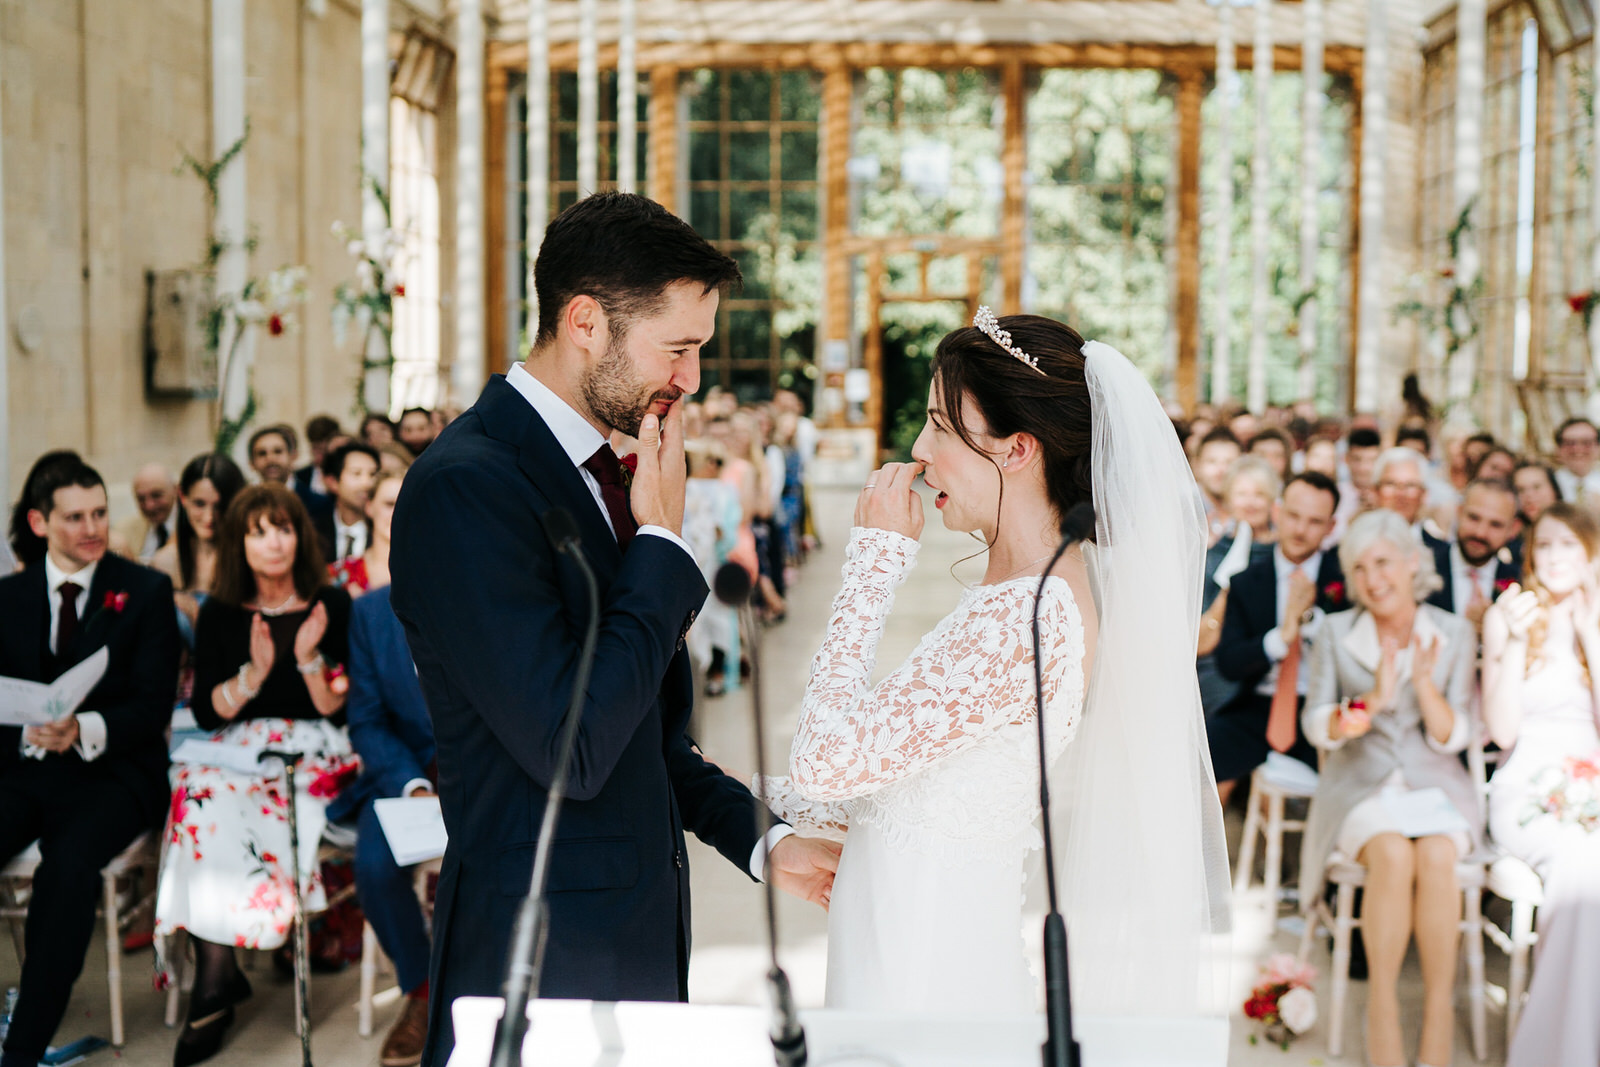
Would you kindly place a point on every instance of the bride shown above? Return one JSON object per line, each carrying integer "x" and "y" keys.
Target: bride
{"x": 933, "y": 771}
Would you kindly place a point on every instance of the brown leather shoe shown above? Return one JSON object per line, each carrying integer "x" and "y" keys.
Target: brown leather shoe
{"x": 403, "y": 1046}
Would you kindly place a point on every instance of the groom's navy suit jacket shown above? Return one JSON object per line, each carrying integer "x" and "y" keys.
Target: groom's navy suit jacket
{"x": 494, "y": 619}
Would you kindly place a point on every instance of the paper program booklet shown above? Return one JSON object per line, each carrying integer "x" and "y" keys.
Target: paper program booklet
{"x": 25, "y": 703}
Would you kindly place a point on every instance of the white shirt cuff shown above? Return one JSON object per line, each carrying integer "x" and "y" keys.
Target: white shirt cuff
{"x": 91, "y": 735}
{"x": 1317, "y": 721}
{"x": 1274, "y": 645}
{"x": 1456, "y": 742}
{"x": 416, "y": 783}
{"x": 662, "y": 531}
{"x": 769, "y": 841}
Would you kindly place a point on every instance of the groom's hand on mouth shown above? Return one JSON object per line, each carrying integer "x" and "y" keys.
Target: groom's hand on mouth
{"x": 658, "y": 485}
{"x": 804, "y": 867}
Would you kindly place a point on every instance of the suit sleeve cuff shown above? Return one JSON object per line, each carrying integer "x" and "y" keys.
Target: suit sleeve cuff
{"x": 768, "y": 842}
{"x": 91, "y": 735}
{"x": 1274, "y": 645}
{"x": 662, "y": 531}
{"x": 416, "y": 783}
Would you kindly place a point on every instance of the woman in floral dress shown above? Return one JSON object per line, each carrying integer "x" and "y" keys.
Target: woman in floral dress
{"x": 1540, "y": 694}
{"x": 270, "y": 645}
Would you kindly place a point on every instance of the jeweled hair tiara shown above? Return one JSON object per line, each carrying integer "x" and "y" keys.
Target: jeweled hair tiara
{"x": 985, "y": 321}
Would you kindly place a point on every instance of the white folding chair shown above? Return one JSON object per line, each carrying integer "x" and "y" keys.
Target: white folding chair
{"x": 1514, "y": 881}
{"x": 122, "y": 901}
{"x": 1276, "y": 781}
{"x": 372, "y": 952}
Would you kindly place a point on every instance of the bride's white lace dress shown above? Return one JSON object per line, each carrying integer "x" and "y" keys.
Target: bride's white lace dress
{"x": 934, "y": 772}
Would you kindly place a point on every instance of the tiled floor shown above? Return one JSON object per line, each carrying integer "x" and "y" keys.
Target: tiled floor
{"x": 727, "y": 964}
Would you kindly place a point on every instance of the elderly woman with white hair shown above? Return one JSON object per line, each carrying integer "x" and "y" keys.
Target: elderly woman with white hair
{"x": 1387, "y": 702}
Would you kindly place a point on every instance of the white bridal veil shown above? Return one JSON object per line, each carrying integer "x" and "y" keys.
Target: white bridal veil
{"x": 1143, "y": 866}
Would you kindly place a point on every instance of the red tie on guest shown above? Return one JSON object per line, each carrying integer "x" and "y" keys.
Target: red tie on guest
{"x": 607, "y": 470}
{"x": 1285, "y": 702}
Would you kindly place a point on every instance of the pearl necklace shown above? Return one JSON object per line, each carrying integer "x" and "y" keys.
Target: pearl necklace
{"x": 279, "y": 609}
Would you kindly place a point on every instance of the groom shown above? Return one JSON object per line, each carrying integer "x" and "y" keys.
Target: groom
{"x": 628, "y": 296}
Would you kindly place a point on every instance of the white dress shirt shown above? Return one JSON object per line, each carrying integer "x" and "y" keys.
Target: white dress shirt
{"x": 579, "y": 440}
{"x": 1273, "y": 643}
{"x": 91, "y": 724}
{"x": 152, "y": 543}
{"x": 1464, "y": 575}
{"x": 1568, "y": 483}
{"x": 349, "y": 542}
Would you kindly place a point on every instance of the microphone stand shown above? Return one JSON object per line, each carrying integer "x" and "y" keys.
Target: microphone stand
{"x": 1060, "y": 1047}
{"x": 302, "y": 965}
{"x": 732, "y": 587}
{"x": 528, "y": 941}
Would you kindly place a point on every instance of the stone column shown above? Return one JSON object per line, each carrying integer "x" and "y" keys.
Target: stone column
{"x": 1374, "y": 158}
{"x": 1260, "y": 207}
{"x": 588, "y": 99}
{"x": 1311, "y": 98}
{"x": 467, "y": 369}
{"x": 1594, "y": 206}
{"x": 538, "y": 136}
{"x": 5, "y": 326}
{"x": 1222, "y": 327}
{"x": 1470, "y": 31}
{"x": 627, "y": 97}
{"x": 233, "y": 267}
{"x": 375, "y": 179}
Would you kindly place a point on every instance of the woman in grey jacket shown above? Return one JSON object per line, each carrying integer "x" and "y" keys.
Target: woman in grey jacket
{"x": 1387, "y": 682}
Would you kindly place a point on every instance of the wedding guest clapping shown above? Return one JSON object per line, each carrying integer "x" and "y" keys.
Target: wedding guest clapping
{"x": 270, "y": 645}
{"x": 1387, "y": 681}
{"x": 1539, "y": 700}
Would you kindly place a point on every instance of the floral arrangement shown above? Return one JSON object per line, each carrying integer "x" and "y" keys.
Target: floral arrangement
{"x": 1584, "y": 304}
{"x": 1283, "y": 1001}
{"x": 1570, "y": 792}
{"x": 367, "y": 303}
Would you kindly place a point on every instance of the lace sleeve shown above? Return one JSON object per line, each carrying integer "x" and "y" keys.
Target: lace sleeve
{"x": 811, "y": 817}
{"x": 972, "y": 675}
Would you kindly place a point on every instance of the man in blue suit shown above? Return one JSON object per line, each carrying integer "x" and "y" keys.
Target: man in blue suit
{"x": 627, "y": 297}
{"x": 1275, "y": 605}
{"x": 390, "y": 731}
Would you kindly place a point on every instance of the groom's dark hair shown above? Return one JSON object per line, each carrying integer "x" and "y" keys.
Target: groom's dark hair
{"x": 623, "y": 250}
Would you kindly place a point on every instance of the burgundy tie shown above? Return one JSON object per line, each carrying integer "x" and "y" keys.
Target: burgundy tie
{"x": 67, "y": 620}
{"x": 607, "y": 470}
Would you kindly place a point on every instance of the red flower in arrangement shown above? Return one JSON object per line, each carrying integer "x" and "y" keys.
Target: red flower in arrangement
{"x": 1334, "y": 592}
{"x": 116, "y": 602}
{"x": 275, "y": 325}
{"x": 400, "y": 290}
{"x": 1447, "y": 272}
{"x": 1578, "y": 301}
{"x": 331, "y": 781}
{"x": 1583, "y": 770}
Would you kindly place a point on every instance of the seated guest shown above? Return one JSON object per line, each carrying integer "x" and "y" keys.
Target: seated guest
{"x": 1401, "y": 486}
{"x": 206, "y": 487}
{"x": 377, "y": 430}
{"x": 1362, "y": 447}
{"x": 416, "y": 430}
{"x": 1577, "y": 445}
{"x": 1322, "y": 456}
{"x": 344, "y": 529}
{"x": 322, "y": 436}
{"x": 391, "y": 732}
{"x": 272, "y": 451}
{"x": 270, "y": 646}
{"x": 1495, "y": 465}
{"x": 370, "y": 570}
{"x": 1276, "y": 607}
{"x": 1478, "y": 565}
{"x": 1541, "y": 646}
{"x": 1213, "y": 457}
{"x": 1386, "y": 682}
{"x": 1248, "y": 495}
{"x": 28, "y": 547}
{"x": 143, "y": 534}
{"x": 395, "y": 458}
{"x": 1224, "y": 560}
{"x": 1536, "y": 487}
{"x": 1275, "y": 445}
{"x": 85, "y": 786}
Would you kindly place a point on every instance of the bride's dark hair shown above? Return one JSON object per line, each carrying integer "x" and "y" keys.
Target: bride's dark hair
{"x": 1012, "y": 397}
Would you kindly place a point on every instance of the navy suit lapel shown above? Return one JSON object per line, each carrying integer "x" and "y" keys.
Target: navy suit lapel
{"x": 509, "y": 417}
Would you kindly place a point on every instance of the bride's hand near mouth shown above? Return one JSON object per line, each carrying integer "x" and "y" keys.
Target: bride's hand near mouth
{"x": 889, "y": 500}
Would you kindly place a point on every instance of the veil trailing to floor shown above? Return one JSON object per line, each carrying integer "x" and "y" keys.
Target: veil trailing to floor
{"x": 1143, "y": 865}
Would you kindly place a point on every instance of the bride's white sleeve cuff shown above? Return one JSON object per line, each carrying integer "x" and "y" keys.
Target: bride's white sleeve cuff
{"x": 764, "y": 847}
{"x": 875, "y": 553}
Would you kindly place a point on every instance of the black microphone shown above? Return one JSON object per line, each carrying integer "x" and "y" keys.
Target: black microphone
{"x": 732, "y": 585}
{"x": 526, "y": 958}
{"x": 1060, "y": 1047}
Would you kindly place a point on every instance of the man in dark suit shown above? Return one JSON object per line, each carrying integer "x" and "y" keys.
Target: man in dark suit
{"x": 344, "y": 529}
{"x": 323, "y": 435}
{"x": 390, "y": 731}
{"x": 85, "y": 786}
{"x": 1274, "y": 610}
{"x": 1485, "y": 557}
{"x": 627, "y": 297}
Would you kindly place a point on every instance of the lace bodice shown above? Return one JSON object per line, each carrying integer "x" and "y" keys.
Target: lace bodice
{"x": 943, "y": 749}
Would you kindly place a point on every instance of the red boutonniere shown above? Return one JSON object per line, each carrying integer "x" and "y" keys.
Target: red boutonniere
{"x": 116, "y": 602}
{"x": 1502, "y": 584}
{"x": 1333, "y": 592}
{"x": 630, "y": 467}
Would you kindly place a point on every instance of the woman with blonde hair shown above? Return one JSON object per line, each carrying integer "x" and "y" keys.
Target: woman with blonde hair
{"x": 1389, "y": 688}
{"x": 1540, "y": 695}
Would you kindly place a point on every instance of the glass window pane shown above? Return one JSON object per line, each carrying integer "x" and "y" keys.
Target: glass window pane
{"x": 566, "y": 95}
{"x": 747, "y": 209}
{"x": 567, "y": 156}
{"x": 705, "y": 156}
{"x": 799, "y": 154}
{"x": 799, "y": 96}
{"x": 705, "y": 213}
{"x": 799, "y": 215}
{"x": 750, "y": 156}
{"x": 755, "y": 285}
{"x": 704, "y": 90}
{"x": 749, "y": 334}
{"x": 749, "y": 95}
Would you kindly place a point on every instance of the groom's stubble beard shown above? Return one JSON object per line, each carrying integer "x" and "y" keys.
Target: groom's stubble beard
{"x": 613, "y": 392}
